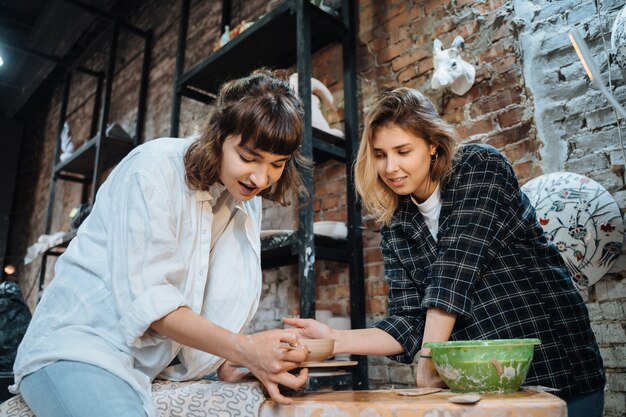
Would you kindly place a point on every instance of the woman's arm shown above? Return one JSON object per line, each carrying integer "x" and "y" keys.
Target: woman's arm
{"x": 262, "y": 353}
{"x": 371, "y": 341}
{"x": 438, "y": 328}
{"x": 374, "y": 341}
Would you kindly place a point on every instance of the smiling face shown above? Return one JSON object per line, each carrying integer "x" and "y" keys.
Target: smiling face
{"x": 403, "y": 162}
{"x": 246, "y": 171}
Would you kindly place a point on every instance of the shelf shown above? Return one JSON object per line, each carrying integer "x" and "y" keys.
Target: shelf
{"x": 81, "y": 162}
{"x": 285, "y": 37}
{"x": 338, "y": 381}
{"x": 269, "y": 42}
{"x": 284, "y": 249}
{"x": 327, "y": 146}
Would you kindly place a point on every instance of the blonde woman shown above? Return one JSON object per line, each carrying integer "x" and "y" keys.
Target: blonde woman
{"x": 165, "y": 272}
{"x": 464, "y": 256}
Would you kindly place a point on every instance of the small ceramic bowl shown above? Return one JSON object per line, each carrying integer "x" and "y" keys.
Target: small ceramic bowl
{"x": 319, "y": 349}
{"x": 337, "y": 230}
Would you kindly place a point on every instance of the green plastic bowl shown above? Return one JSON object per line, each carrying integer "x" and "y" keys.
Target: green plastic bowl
{"x": 483, "y": 365}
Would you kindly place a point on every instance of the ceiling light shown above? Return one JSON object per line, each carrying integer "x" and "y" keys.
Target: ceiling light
{"x": 9, "y": 270}
{"x": 584, "y": 54}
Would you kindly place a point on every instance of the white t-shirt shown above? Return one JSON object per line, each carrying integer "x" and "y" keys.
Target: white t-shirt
{"x": 142, "y": 253}
{"x": 430, "y": 209}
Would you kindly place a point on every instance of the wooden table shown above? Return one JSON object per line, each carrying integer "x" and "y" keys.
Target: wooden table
{"x": 387, "y": 403}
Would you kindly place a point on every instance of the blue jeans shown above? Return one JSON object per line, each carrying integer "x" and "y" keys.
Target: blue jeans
{"x": 76, "y": 389}
{"x": 586, "y": 405}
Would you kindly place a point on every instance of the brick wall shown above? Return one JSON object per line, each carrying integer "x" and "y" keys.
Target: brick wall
{"x": 510, "y": 106}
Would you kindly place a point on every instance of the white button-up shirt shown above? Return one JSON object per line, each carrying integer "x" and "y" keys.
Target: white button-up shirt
{"x": 142, "y": 253}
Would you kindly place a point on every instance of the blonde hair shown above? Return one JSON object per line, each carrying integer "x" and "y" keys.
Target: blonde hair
{"x": 411, "y": 111}
{"x": 268, "y": 115}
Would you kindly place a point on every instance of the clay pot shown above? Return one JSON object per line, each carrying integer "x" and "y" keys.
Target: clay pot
{"x": 319, "y": 349}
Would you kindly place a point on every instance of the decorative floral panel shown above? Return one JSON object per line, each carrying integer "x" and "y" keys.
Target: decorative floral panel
{"x": 582, "y": 219}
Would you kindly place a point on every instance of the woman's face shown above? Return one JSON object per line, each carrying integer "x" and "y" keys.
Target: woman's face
{"x": 245, "y": 171}
{"x": 403, "y": 162}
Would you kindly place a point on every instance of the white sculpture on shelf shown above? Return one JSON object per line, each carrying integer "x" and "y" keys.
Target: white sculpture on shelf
{"x": 319, "y": 91}
{"x": 67, "y": 147}
{"x": 450, "y": 69}
{"x": 582, "y": 219}
{"x": 225, "y": 38}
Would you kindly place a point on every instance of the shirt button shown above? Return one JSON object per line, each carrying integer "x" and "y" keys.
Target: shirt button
{"x": 204, "y": 231}
{"x": 201, "y": 273}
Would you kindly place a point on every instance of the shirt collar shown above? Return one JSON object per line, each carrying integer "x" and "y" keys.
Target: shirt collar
{"x": 215, "y": 190}
{"x": 430, "y": 202}
{"x": 241, "y": 205}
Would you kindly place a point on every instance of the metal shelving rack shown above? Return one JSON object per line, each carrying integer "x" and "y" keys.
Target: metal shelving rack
{"x": 103, "y": 150}
{"x": 300, "y": 28}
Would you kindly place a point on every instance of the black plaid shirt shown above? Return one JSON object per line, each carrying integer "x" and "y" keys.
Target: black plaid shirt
{"x": 494, "y": 268}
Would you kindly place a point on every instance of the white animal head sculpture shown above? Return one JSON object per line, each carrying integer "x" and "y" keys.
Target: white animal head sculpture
{"x": 450, "y": 69}
{"x": 319, "y": 91}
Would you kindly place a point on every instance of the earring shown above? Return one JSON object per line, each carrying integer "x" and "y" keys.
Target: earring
{"x": 433, "y": 158}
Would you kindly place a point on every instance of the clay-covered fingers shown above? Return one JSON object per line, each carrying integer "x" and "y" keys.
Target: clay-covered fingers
{"x": 289, "y": 338}
{"x": 292, "y": 381}
{"x": 294, "y": 355}
{"x": 274, "y": 393}
{"x": 273, "y": 352}
{"x": 299, "y": 333}
{"x": 290, "y": 350}
{"x": 286, "y": 379}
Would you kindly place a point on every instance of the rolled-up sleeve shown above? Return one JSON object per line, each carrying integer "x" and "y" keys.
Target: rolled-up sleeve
{"x": 482, "y": 220}
{"x": 147, "y": 273}
{"x": 406, "y": 316}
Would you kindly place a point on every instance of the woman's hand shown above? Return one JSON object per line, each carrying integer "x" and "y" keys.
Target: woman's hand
{"x": 426, "y": 375}
{"x": 309, "y": 328}
{"x": 269, "y": 355}
{"x": 230, "y": 372}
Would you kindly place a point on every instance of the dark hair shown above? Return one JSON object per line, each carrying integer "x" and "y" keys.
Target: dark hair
{"x": 409, "y": 110}
{"x": 268, "y": 115}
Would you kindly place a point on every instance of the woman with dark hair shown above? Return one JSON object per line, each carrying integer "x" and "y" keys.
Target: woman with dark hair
{"x": 464, "y": 256}
{"x": 165, "y": 272}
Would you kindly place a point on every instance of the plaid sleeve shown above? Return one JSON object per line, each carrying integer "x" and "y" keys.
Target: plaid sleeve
{"x": 483, "y": 218}
{"x": 406, "y": 317}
